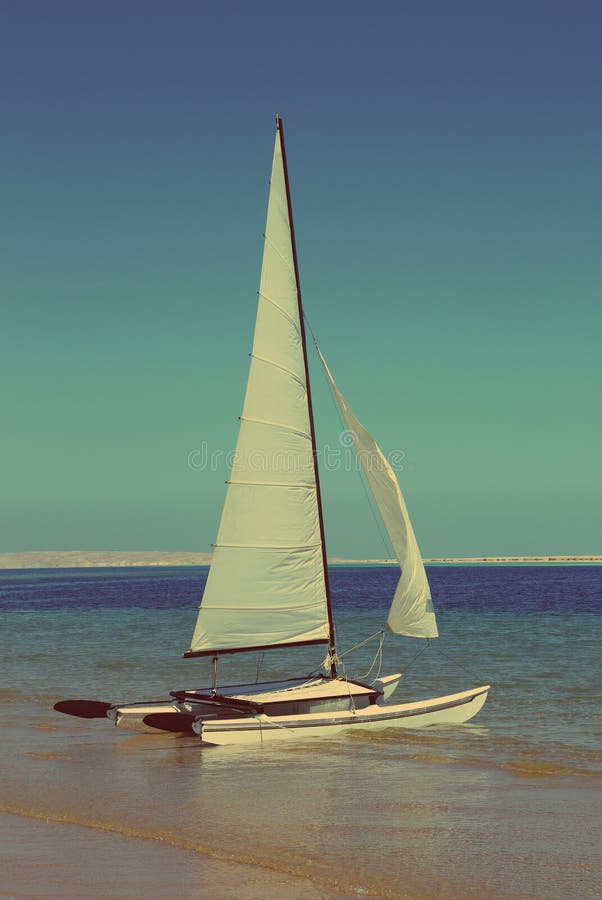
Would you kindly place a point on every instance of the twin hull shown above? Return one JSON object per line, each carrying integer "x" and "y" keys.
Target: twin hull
{"x": 217, "y": 729}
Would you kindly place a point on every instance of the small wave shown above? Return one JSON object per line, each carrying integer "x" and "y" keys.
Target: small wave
{"x": 436, "y": 734}
{"x": 7, "y": 695}
{"x": 436, "y": 758}
{"x": 48, "y": 755}
{"x": 117, "y": 665}
{"x": 33, "y": 657}
{"x": 527, "y": 768}
{"x": 469, "y": 738}
{"x": 475, "y": 746}
{"x": 46, "y": 700}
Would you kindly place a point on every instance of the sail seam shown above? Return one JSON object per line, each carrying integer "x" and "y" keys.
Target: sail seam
{"x": 276, "y": 425}
{"x": 268, "y": 546}
{"x": 270, "y": 362}
{"x": 286, "y": 484}
{"x": 281, "y": 310}
{"x": 265, "y": 609}
{"x": 277, "y": 251}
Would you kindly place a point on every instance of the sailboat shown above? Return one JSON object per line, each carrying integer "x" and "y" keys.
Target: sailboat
{"x": 268, "y": 585}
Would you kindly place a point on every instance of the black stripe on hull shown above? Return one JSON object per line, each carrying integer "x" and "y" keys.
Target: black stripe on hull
{"x": 359, "y": 720}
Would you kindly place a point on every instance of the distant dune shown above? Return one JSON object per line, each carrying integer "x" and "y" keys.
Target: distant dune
{"x": 517, "y": 559}
{"x": 75, "y": 559}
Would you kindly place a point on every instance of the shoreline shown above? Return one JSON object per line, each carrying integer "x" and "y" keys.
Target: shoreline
{"x": 82, "y": 559}
{"x": 140, "y": 866}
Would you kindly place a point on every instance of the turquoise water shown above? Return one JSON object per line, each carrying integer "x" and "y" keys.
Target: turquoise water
{"x": 504, "y": 806}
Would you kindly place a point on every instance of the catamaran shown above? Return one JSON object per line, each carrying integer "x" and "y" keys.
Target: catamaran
{"x": 268, "y": 584}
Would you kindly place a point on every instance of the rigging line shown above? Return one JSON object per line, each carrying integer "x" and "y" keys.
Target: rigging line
{"x": 378, "y": 656}
{"x": 259, "y": 664}
{"x": 311, "y": 331}
{"x": 346, "y": 680}
{"x": 263, "y": 717}
{"x": 415, "y": 657}
{"x": 361, "y": 643}
{"x": 456, "y": 663}
{"x": 258, "y": 717}
{"x": 388, "y": 547}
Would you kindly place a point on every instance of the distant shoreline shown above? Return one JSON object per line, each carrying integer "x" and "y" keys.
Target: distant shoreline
{"x": 76, "y": 559}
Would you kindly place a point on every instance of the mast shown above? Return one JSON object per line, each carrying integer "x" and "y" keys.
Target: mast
{"x": 331, "y": 642}
{"x": 268, "y": 582}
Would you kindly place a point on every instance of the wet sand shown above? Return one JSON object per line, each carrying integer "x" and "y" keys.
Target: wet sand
{"x": 44, "y": 859}
{"x": 96, "y": 815}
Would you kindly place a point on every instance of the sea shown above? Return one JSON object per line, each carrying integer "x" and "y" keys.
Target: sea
{"x": 505, "y": 806}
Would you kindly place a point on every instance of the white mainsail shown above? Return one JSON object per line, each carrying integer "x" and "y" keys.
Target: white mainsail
{"x": 266, "y": 586}
{"x": 411, "y": 612}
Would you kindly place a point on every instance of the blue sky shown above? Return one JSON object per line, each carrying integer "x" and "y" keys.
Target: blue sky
{"x": 445, "y": 176}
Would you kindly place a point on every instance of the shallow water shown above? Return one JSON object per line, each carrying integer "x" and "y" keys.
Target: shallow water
{"x": 504, "y": 806}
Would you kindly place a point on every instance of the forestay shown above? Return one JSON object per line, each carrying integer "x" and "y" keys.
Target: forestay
{"x": 411, "y": 612}
{"x": 266, "y": 585}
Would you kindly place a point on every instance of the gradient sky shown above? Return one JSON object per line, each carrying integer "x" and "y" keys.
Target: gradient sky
{"x": 445, "y": 169}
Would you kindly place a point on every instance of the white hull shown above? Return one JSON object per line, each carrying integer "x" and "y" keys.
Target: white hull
{"x": 299, "y": 709}
{"x": 296, "y": 697}
{"x": 453, "y": 709}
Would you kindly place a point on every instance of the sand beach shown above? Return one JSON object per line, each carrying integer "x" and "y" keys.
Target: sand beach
{"x": 42, "y": 858}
